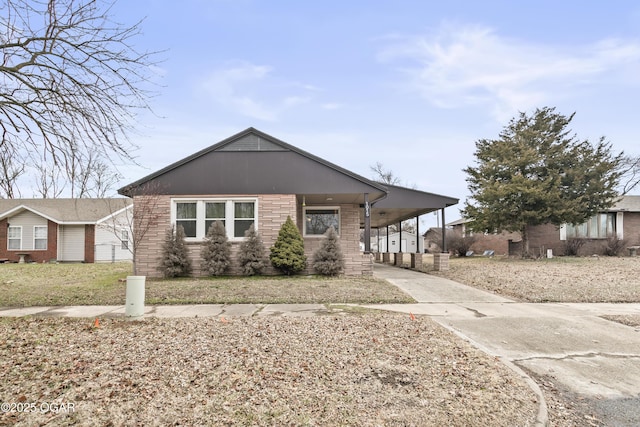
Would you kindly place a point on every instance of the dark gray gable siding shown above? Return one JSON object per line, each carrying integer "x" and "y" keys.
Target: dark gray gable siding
{"x": 252, "y": 162}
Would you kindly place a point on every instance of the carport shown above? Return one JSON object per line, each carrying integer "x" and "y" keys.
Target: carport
{"x": 401, "y": 204}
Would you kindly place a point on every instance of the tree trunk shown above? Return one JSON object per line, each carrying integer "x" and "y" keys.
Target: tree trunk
{"x": 524, "y": 233}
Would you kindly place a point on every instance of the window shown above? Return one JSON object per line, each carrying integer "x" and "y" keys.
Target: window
{"x": 40, "y": 237}
{"x": 318, "y": 220}
{"x": 124, "y": 239}
{"x": 213, "y": 211}
{"x": 243, "y": 217}
{"x": 196, "y": 216}
{"x": 14, "y": 238}
{"x": 186, "y": 217}
{"x": 599, "y": 226}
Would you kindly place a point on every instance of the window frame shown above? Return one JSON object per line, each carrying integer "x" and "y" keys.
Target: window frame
{"x": 46, "y": 237}
{"x": 229, "y": 219}
{"x": 9, "y": 238}
{"x": 320, "y": 208}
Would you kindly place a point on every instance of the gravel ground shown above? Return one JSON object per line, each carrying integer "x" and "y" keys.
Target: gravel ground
{"x": 356, "y": 369}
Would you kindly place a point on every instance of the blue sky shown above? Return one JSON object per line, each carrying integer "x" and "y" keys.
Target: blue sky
{"x": 410, "y": 84}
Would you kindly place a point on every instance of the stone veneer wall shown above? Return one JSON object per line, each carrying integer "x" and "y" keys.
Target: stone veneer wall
{"x": 273, "y": 210}
{"x": 356, "y": 263}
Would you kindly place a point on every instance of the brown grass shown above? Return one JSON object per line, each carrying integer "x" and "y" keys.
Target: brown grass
{"x": 24, "y": 285}
{"x": 560, "y": 279}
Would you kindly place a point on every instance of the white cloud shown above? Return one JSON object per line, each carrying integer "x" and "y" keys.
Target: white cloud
{"x": 462, "y": 66}
{"x": 253, "y": 91}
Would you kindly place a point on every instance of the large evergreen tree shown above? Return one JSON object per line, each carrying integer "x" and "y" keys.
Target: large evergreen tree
{"x": 216, "y": 253}
{"x": 327, "y": 259}
{"x": 287, "y": 253}
{"x": 252, "y": 257}
{"x": 538, "y": 172}
{"x": 175, "y": 260}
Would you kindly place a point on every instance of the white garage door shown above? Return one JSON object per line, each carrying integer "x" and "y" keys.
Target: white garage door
{"x": 71, "y": 243}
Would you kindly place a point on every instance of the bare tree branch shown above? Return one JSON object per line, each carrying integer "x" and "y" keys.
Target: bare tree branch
{"x": 70, "y": 79}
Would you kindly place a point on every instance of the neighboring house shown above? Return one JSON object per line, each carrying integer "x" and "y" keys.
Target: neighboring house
{"x": 622, "y": 220}
{"x": 252, "y": 178}
{"x": 74, "y": 230}
{"x": 496, "y": 242}
{"x": 397, "y": 242}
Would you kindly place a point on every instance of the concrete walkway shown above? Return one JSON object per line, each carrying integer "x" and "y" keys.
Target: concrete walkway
{"x": 593, "y": 357}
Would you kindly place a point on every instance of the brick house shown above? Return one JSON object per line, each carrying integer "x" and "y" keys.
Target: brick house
{"x": 73, "y": 230}
{"x": 252, "y": 178}
{"x": 622, "y": 220}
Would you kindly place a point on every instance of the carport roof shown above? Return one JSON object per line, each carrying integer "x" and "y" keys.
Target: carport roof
{"x": 404, "y": 203}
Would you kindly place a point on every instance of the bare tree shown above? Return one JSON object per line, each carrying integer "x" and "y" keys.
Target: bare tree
{"x": 89, "y": 175}
{"x": 70, "y": 79}
{"x": 11, "y": 168}
{"x": 384, "y": 176}
{"x": 48, "y": 181}
{"x": 630, "y": 174}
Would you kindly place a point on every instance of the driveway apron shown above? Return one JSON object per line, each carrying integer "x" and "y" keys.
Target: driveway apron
{"x": 573, "y": 344}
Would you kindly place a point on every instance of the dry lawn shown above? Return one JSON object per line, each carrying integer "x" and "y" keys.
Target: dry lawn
{"x": 560, "y": 279}
{"x": 25, "y": 285}
{"x": 367, "y": 370}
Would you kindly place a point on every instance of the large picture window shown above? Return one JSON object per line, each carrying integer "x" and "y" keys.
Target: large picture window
{"x": 599, "y": 226}
{"x": 196, "y": 216}
{"x": 40, "y": 237}
{"x": 14, "y": 238}
{"x": 318, "y": 220}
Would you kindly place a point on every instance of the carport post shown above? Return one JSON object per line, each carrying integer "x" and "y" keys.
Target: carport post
{"x": 418, "y": 234}
{"x": 444, "y": 240}
{"x": 387, "y": 238}
{"x": 367, "y": 224}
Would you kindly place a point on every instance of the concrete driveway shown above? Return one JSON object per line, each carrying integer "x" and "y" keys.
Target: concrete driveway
{"x": 597, "y": 359}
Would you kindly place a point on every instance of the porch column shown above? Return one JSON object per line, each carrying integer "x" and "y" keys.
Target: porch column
{"x": 387, "y": 239}
{"x": 367, "y": 224}
{"x": 444, "y": 237}
{"x": 418, "y": 234}
{"x": 400, "y": 237}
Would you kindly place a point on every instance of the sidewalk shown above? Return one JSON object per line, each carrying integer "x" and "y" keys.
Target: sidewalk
{"x": 194, "y": 310}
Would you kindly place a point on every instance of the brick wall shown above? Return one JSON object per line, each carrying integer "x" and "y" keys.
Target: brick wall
{"x": 632, "y": 228}
{"x": 89, "y": 243}
{"x": 47, "y": 255}
{"x": 273, "y": 210}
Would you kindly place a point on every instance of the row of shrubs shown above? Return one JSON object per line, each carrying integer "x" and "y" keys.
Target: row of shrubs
{"x": 286, "y": 255}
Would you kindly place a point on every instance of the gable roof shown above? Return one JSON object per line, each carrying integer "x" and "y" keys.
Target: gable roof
{"x": 66, "y": 211}
{"x": 252, "y": 162}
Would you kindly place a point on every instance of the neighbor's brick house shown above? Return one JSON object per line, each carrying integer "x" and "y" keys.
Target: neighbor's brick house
{"x": 70, "y": 230}
{"x": 622, "y": 220}
{"x": 252, "y": 178}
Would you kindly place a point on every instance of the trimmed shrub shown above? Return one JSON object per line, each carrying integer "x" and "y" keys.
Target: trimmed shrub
{"x": 460, "y": 244}
{"x": 216, "y": 253}
{"x": 328, "y": 260}
{"x": 252, "y": 255}
{"x": 175, "y": 260}
{"x": 287, "y": 253}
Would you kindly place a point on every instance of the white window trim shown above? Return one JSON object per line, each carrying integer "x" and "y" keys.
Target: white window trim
{"x": 319, "y": 208}
{"x": 19, "y": 227}
{"x": 46, "y": 239}
{"x": 200, "y": 214}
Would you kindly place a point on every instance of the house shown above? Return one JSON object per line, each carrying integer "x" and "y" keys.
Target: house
{"x": 621, "y": 221}
{"x": 252, "y": 178}
{"x": 74, "y": 230}
{"x": 403, "y": 241}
